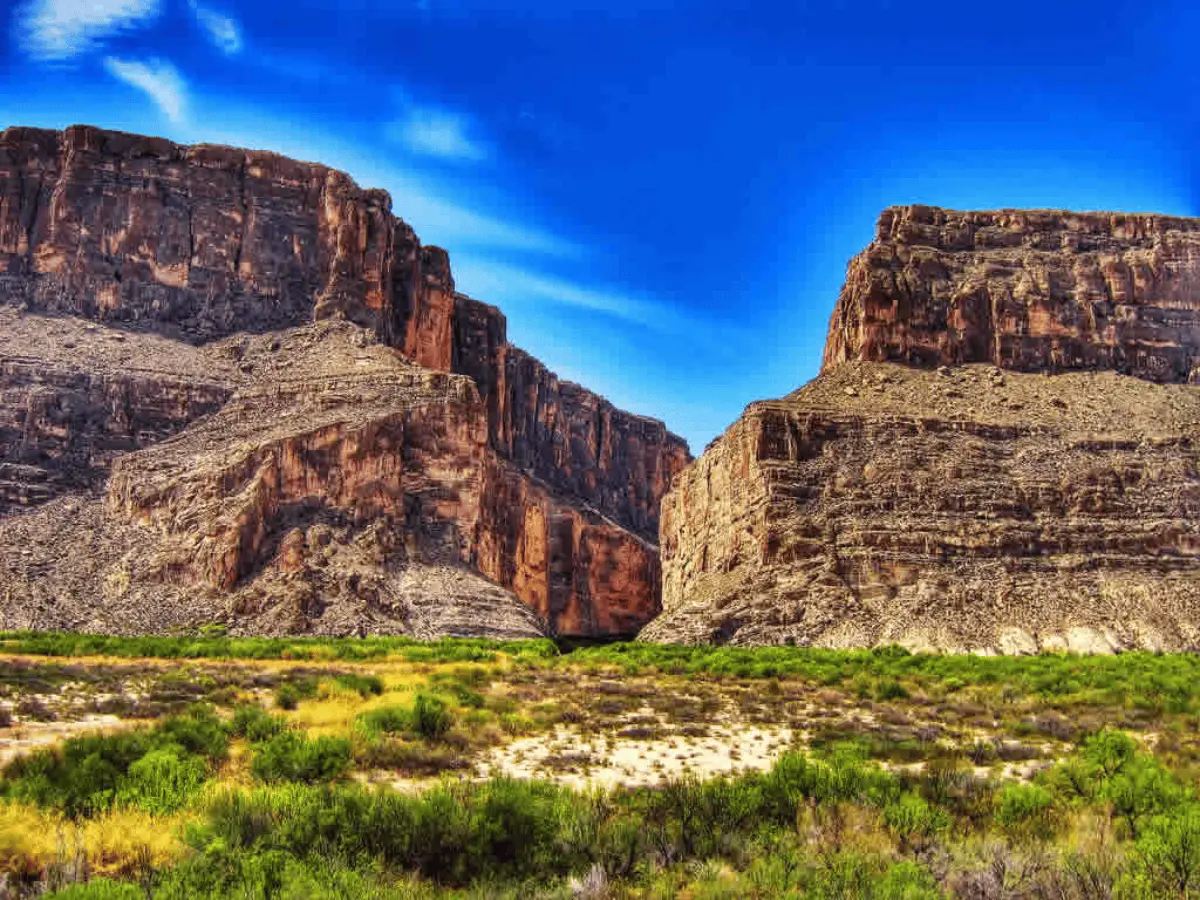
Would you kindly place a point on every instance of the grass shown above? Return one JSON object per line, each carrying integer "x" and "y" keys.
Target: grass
{"x": 909, "y": 776}
{"x": 317, "y": 649}
{"x": 834, "y": 825}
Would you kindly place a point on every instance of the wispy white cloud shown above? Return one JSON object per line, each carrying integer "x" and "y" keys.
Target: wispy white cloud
{"x": 159, "y": 79}
{"x": 222, "y": 30}
{"x": 61, "y": 29}
{"x": 509, "y": 285}
{"x": 428, "y": 131}
{"x": 453, "y": 224}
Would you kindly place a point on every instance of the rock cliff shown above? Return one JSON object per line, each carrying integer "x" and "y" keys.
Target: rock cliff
{"x": 1027, "y": 290}
{"x": 396, "y": 466}
{"x": 975, "y": 468}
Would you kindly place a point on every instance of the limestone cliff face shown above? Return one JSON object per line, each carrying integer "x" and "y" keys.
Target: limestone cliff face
{"x": 618, "y": 463}
{"x": 578, "y": 570}
{"x": 161, "y": 260}
{"x": 201, "y": 242}
{"x": 1027, "y": 290}
{"x": 968, "y": 507}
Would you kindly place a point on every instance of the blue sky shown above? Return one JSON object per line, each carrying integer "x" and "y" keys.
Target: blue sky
{"x": 661, "y": 196}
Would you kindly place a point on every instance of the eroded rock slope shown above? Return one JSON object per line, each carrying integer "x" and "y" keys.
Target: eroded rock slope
{"x": 255, "y": 398}
{"x": 948, "y": 482}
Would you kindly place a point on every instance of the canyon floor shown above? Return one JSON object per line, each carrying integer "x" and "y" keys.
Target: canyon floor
{"x": 639, "y": 770}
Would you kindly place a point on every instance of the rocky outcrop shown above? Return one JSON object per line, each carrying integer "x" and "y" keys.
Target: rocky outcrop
{"x": 74, "y": 397}
{"x": 201, "y": 242}
{"x": 1027, "y": 290}
{"x": 318, "y": 472}
{"x": 618, "y": 463}
{"x": 969, "y": 506}
{"x": 578, "y": 570}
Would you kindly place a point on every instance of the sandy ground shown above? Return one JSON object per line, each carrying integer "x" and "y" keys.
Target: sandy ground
{"x": 29, "y": 736}
{"x": 572, "y": 758}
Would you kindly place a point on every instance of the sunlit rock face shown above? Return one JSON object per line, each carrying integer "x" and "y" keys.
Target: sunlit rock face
{"x": 1026, "y": 290}
{"x": 1001, "y": 454}
{"x": 160, "y": 291}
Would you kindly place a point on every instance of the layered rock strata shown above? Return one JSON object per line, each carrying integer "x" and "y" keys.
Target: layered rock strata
{"x": 184, "y": 276}
{"x": 968, "y": 506}
{"x": 1029, "y": 290}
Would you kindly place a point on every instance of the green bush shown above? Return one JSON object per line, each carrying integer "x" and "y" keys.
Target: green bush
{"x": 1169, "y": 854}
{"x": 844, "y": 775}
{"x": 162, "y": 781}
{"x": 430, "y": 717}
{"x": 90, "y": 774}
{"x": 289, "y": 694}
{"x": 1108, "y": 752}
{"x": 364, "y": 685}
{"x": 385, "y": 720}
{"x": 689, "y": 818}
{"x": 452, "y": 834}
{"x": 198, "y": 732}
{"x": 256, "y": 724}
{"x": 1140, "y": 789}
{"x": 99, "y": 889}
{"x": 1025, "y": 810}
{"x": 292, "y": 756}
{"x": 914, "y": 821}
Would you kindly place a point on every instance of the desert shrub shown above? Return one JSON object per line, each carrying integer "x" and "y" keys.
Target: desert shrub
{"x": 464, "y": 650}
{"x": 408, "y": 757}
{"x": 841, "y": 776}
{"x": 198, "y": 732}
{"x": 982, "y": 752}
{"x": 914, "y": 821}
{"x": 364, "y": 685}
{"x": 890, "y": 689}
{"x": 256, "y": 724}
{"x": 1108, "y": 752}
{"x": 1025, "y": 810}
{"x": 289, "y": 694}
{"x": 1140, "y": 789}
{"x": 89, "y": 774}
{"x": 688, "y": 818}
{"x": 1168, "y": 856}
{"x": 464, "y": 695}
{"x": 846, "y": 875}
{"x": 452, "y": 834}
{"x": 430, "y": 717}
{"x": 385, "y": 720}
{"x": 1109, "y": 768}
{"x": 292, "y": 756}
{"x": 162, "y": 781}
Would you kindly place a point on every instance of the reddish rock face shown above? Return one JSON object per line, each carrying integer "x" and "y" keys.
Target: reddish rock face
{"x": 580, "y": 444}
{"x": 583, "y": 575}
{"x": 202, "y": 242}
{"x": 179, "y": 252}
{"x": 1026, "y": 290}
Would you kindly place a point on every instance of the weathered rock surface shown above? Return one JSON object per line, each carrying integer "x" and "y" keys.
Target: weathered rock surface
{"x": 967, "y": 507}
{"x": 1025, "y": 289}
{"x": 618, "y": 463}
{"x": 319, "y": 474}
{"x": 74, "y": 397}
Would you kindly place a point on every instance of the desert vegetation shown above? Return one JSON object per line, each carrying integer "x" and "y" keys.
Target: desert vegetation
{"x": 220, "y": 767}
